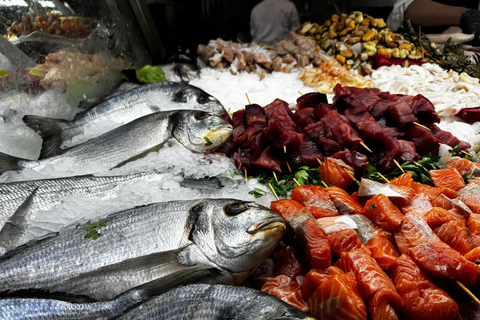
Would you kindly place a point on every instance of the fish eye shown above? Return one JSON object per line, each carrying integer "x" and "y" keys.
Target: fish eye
{"x": 202, "y": 115}
{"x": 202, "y": 99}
{"x": 235, "y": 209}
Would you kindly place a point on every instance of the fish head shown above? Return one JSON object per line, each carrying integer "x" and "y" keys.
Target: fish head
{"x": 196, "y": 98}
{"x": 200, "y": 131}
{"x": 237, "y": 235}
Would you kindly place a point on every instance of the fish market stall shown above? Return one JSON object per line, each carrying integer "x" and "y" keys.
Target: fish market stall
{"x": 348, "y": 192}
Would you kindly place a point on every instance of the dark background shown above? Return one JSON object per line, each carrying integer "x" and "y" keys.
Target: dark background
{"x": 184, "y": 24}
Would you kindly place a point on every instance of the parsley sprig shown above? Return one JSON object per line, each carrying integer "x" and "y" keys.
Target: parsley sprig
{"x": 304, "y": 175}
{"x": 91, "y": 228}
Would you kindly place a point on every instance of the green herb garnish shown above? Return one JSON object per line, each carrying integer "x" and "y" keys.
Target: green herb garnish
{"x": 257, "y": 193}
{"x": 468, "y": 232}
{"x": 146, "y": 74}
{"x": 372, "y": 206}
{"x": 208, "y": 142}
{"x": 91, "y": 228}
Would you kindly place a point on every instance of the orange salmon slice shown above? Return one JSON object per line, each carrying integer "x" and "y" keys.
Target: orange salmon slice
{"x": 333, "y": 172}
{"x": 381, "y": 211}
{"x": 344, "y": 202}
{"x": 448, "y": 178}
{"x": 316, "y": 201}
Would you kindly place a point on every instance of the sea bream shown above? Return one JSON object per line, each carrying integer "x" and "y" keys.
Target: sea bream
{"x": 139, "y": 245}
{"x": 63, "y": 308}
{"x": 118, "y": 110}
{"x": 197, "y": 131}
{"x": 27, "y": 204}
{"x": 205, "y": 302}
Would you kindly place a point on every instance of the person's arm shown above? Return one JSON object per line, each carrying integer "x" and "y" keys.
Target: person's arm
{"x": 429, "y": 13}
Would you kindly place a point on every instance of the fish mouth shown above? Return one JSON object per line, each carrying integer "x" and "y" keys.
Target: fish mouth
{"x": 219, "y": 135}
{"x": 267, "y": 224}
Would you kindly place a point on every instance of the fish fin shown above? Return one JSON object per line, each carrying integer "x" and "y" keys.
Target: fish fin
{"x": 8, "y": 162}
{"x": 158, "y": 260}
{"x": 205, "y": 183}
{"x": 51, "y": 132}
{"x": 139, "y": 156}
{"x": 16, "y": 225}
{"x": 187, "y": 275}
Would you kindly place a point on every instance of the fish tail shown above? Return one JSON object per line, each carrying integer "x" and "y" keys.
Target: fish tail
{"x": 9, "y": 163}
{"x": 51, "y": 132}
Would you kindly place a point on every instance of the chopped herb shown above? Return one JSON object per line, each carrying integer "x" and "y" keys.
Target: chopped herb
{"x": 468, "y": 232}
{"x": 257, "y": 193}
{"x": 305, "y": 175}
{"x": 91, "y": 228}
{"x": 208, "y": 142}
{"x": 372, "y": 206}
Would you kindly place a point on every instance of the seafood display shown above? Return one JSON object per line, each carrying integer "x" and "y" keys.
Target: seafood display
{"x": 153, "y": 201}
{"x": 361, "y": 126}
{"x": 229, "y": 235}
{"x": 197, "y": 131}
{"x": 120, "y": 109}
{"x": 353, "y": 38}
{"x": 237, "y": 57}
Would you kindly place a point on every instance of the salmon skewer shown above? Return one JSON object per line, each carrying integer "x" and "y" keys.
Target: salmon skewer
{"x": 421, "y": 297}
{"x": 382, "y": 212}
{"x": 286, "y": 289}
{"x": 346, "y": 241}
{"x": 374, "y": 284}
{"x": 309, "y": 239}
{"x": 315, "y": 200}
{"x": 333, "y": 172}
{"x": 333, "y": 295}
{"x": 343, "y": 201}
{"x": 448, "y": 178}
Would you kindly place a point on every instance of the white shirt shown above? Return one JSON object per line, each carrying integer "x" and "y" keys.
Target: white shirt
{"x": 272, "y": 20}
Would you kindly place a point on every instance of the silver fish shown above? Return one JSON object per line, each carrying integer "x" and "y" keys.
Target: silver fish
{"x": 198, "y": 131}
{"x": 121, "y": 109}
{"x": 22, "y": 202}
{"x": 139, "y": 245}
{"x": 51, "y": 192}
{"x": 56, "y": 309}
{"x": 205, "y": 302}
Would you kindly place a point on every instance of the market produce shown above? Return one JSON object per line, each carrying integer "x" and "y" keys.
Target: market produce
{"x": 353, "y": 38}
{"x": 48, "y": 309}
{"x": 203, "y": 302}
{"x": 197, "y": 131}
{"x": 120, "y": 109}
{"x": 39, "y": 196}
{"x": 146, "y": 243}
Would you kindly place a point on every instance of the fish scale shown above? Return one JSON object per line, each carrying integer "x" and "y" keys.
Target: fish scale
{"x": 205, "y": 302}
{"x": 134, "y": 245}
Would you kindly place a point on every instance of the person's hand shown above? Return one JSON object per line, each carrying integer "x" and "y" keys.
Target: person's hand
{"x": 470, "y": 23}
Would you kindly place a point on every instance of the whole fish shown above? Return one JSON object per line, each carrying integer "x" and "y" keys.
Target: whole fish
{"x": 51, "y": 192}
{"x": 198, "y": 131}
{"x": 205, "y": 302}
{"x": 143, "y": 244}
{"x": 121, "y": 109}
{"x": 56, "y": 309}
{"x": 22, "y": 203}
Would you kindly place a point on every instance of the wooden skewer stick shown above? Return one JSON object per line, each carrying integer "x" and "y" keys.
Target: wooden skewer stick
{"x": 275, "y": 175}
{"x": 228, "y": 111}
{"x": 300, "y": 93}
{"x": 248, "y": 98}
{"x": 295, "y": 180}
{"x": 468, "y": 292}
{"x": 365, "y": 146}
{"x": 422, "y": 126}
{"x": 273, "y": 191}
{"x": 419, "y": 165}
{"x": 246, "y": 174}
{"x": 320, "y": 162}
{"x": 465, "y": 152}
{"x": 324, "y": 184}
{"x": 398, "y": 165}
{"x": 284, "y": 149}
{"x": 255, "y": 70}
{"x": 383, "y": 177}
{"x": 288, "y": 165}
{"x": 350, "y": 175}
